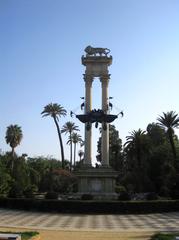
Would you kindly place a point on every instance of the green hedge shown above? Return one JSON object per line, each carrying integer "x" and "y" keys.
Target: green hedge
{"x": 91, "y": 206}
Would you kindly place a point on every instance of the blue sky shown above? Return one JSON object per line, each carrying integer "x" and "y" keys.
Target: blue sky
{"x": 41, "y": 45}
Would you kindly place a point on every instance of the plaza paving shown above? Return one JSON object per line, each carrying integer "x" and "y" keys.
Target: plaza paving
{"x": 77, "y": 222}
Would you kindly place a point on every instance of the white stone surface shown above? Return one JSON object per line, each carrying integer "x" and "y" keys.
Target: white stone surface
{"x": 117, "y": 222}
{"x": 4, "y": 236}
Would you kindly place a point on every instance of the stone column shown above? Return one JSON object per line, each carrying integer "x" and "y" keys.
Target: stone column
{"x": 105, "y": 133}
{"x": 88, "y": 107}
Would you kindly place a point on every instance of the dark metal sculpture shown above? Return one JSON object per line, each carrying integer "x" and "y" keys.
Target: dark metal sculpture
{"x": 94, "y": 51}
{"x": 96, "y": 116}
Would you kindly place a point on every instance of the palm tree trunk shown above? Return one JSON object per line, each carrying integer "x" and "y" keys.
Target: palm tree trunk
{"x": 170, "y": 136}
{"x": 139, "y": 157}
{"x": 70, "y": 152}
{"x": 60, "y": 140}
{"x": 13, "y": 156}
{"x": 74, "y": 154}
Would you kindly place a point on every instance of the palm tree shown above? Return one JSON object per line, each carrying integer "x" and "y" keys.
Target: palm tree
{"x": 137, "y": 153}
{"x": 156, "y": 134}
{"x": 135, "y": 144}
{"x": 13, "y": 138}
{"x": 55, "y": 111}
{"x": 169, "y": 121}
{"x": 70, "y": 127}
{"x": 75, "y": 139}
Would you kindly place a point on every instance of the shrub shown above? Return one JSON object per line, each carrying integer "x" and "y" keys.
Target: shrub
{"x": 51, "y": 195}
{"x": 15, "y": 191}
{"x": 152, "y": 196}
{"x": 164, "y": 191}
{"x": 83, "y": 206}
{"x": 58, "y": 180}
{"x": 120, "y": 188}
{"x": 87, "y": 197}
{"x": 5, "y": 180}
{"x": 30, "y": 190}
{"x": 175, "y": 194}
{"x": 124, "y": 196}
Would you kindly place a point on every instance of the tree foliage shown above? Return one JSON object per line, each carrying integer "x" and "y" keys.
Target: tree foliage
{"x": 169, "y": 121}
{"x": 56, "y": 111}
{"x": 115, "y": 149}
{"x": 147, "y": 162}
{"x": 13, "y": 138}
{"x": 70, "y": 127}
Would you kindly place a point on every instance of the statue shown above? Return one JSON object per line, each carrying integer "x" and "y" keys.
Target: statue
{"x": 93, "y": 51}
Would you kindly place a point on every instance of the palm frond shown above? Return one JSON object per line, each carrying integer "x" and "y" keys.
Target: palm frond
{"x": 69, "y": 127}
{"x": 54, "y": 110}
{"x": 13, "y": 135}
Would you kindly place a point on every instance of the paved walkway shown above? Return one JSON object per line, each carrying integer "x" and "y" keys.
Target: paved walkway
{"x": 55, "y": 221}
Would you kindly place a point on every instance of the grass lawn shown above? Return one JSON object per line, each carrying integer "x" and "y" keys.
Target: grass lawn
{"x": 165, "y": 236}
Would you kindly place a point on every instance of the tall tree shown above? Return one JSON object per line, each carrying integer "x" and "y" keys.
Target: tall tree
{"x": 13, "y": 138}
{"x": 55, "y": 111}
{"x": 70, "y": 127}
{"x": 115, "y": 148}
{"x": 136, "y": 145}
{"x": 74, "y": 139}
{"x": 169, "y": 121}
{"x": 137, "y": 152}
{"x": 5, "y": 179}
{"x": 156, "y": 134}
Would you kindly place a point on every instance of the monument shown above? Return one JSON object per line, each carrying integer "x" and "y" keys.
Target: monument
{"x": 100, "y": 182}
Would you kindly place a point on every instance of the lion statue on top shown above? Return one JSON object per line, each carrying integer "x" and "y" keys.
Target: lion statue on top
{"x": 94, "y": 51}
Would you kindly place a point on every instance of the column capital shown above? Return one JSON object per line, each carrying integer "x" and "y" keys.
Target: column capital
{"x": 88, "y": 78}
{"x": 105, "y": 78}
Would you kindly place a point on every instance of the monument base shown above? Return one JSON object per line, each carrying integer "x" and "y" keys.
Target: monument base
{"x": 99, "y": 182}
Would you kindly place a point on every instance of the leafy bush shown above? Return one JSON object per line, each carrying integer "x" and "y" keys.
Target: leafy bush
{"x": 51, "y": 195}
{"x": 124, "y": 196}
{"x": 58, "y": 180}
{"x": 16, "y": 191}
{"x": 30, "y": 190}
{"x": 175, "y": 194}
{"x": 164, "y": 191}
{"x": 120, "y": 188}
{"x": 87, "y": 197}
{"x": 93, "y": 206}
{"x": 5, "y": 180}
{"x": 152, "y": 196}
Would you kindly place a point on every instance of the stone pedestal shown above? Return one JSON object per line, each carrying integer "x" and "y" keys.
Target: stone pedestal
{"x": 99, "y": 182}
